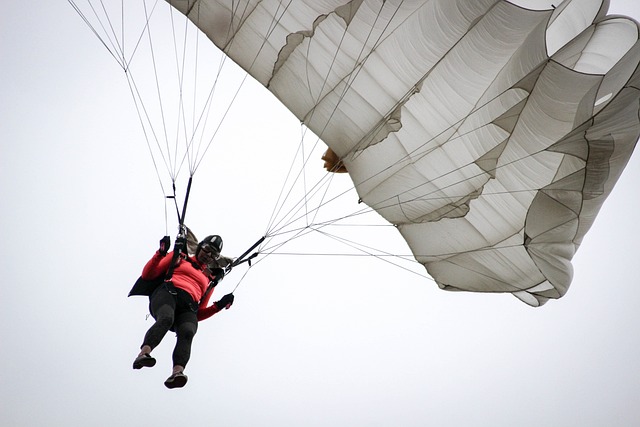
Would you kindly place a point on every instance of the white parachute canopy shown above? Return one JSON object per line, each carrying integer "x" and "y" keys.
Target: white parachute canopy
{"x": 489, "y": 132}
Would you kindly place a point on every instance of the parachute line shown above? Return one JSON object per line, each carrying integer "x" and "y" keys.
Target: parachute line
{"x": 157, "y": 81}
{"x": 272, "y": 26}
{"x": 353, "y": 74}
{"x": 289, "y": 218}
{"x": 365, "y": 251}
{"x": 95, "y": 32}
{"x": 345, "y": 90}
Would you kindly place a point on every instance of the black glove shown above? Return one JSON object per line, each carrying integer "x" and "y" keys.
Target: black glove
{"x": 165, "y": 243}
{"x": 218, "y": 273}
{"x": 226, "y": 301}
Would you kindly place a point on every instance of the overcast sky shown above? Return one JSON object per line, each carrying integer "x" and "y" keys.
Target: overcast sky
{"x": 310, "y": 341}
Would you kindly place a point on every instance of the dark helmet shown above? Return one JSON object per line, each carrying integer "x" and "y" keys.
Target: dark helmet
{"x": 214, "y": 242}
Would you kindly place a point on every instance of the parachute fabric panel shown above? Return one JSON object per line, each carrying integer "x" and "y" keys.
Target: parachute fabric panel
{"x": 489, "y": 133}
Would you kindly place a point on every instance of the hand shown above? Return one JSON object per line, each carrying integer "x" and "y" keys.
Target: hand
{"x": 226, "y": 301}
{"x": 165, "y": 243}
{"x": 217, "y": 273}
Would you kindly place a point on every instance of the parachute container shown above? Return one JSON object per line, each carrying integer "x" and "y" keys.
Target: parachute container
{"x": 489, "y": 132}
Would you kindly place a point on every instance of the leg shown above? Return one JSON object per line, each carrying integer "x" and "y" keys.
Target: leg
{"x": 186, "y": 327}
{"x": 163, "y": 308}
{"x": 164, "y": 319}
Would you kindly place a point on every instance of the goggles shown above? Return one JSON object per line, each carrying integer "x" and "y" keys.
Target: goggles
{"x": 210, "y": 250}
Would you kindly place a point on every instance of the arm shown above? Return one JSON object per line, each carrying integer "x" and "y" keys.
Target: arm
{"x": 205, "y": 312}
{"x": 157, "y": 265}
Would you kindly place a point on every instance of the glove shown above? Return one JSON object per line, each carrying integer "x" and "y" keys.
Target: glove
{"x": 226, "y": 301}
{"x": 218, "y": 273}
{"x": 165, "y": 243}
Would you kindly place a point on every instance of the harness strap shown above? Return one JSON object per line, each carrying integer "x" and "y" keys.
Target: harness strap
{"x": 182, "y": 235}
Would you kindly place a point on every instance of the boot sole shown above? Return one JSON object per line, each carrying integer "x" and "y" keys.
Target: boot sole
{"x": 146, "y": 362}
{"x": 176, "y": 382}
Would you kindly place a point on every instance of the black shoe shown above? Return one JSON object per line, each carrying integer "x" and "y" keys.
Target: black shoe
{"x": 179, "y": 379}
{"x": 144, "y": 360}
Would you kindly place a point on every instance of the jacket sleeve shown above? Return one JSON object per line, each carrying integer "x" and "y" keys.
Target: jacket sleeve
{"x": 205, "y": 312}
{"x": 157, "y": 266}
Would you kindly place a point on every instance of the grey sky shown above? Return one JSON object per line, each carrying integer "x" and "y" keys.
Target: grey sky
{"x": 310, "y": 341}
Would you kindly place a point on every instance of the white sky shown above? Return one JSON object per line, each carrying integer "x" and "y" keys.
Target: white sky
{"x": 310, "y": 341}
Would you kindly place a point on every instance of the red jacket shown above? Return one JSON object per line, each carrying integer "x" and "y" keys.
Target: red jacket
{"x": 186, "y": 277}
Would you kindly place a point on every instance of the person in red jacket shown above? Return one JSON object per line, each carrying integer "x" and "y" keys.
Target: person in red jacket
{"x": 179, "y": 303}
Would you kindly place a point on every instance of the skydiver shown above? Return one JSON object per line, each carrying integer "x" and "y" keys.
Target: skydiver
{"x": 180, "y": 303}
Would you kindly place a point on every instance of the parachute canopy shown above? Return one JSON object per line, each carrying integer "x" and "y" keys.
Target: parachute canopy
{"x": 490, "y": 132}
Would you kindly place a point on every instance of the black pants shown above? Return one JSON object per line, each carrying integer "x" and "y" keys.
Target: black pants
{"x": 173, "y": 309}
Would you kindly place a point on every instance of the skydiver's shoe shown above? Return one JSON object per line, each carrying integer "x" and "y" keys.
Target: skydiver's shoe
{"x": 179, "y": 379}
{"x": 144, "y": 360}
